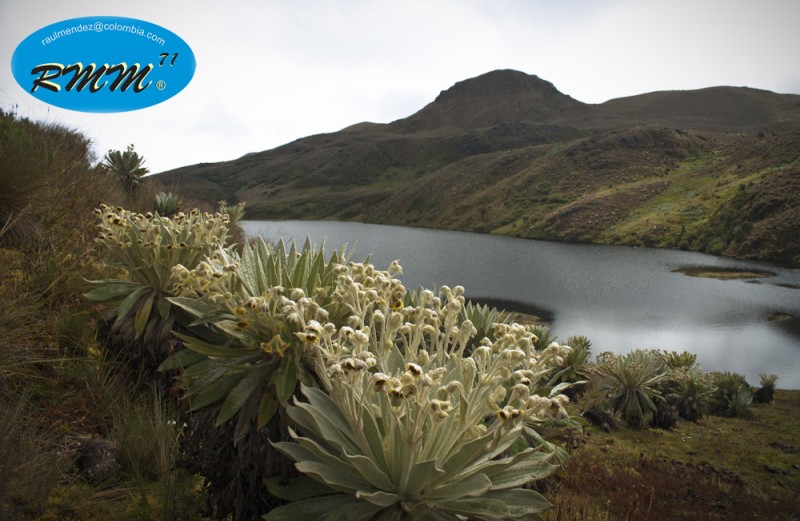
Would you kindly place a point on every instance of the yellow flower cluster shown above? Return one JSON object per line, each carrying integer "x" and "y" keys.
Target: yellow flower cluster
{"x": 149, "y": 245}
{"x": 267, "y": 321}
{"x": 417, "y": 358}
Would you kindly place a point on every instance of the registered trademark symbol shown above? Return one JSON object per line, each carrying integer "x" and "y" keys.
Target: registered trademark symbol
{"x": 161, "y": 84}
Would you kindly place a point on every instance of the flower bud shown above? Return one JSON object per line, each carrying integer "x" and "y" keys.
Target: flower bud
{"x": 438, "y": 373}
{"x": 361, "y": 338}
{"x": 441, "y": 405}
{"x": 455, "y": 387}
{"x": 354, "y": 321}
{"x": 408, "y": 389}
{"x": 423, "y": 357}
{"x": 395, "y": 397}
{"x": 395, "y": 268}
{"x": 380, "y": 381}
{"x": 329, "y": 329}
{"x": 395, "y": 320}
{"x": 414, "y": 369}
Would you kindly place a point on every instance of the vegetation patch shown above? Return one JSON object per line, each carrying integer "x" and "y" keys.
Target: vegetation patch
{"x": 711, "y": 272}
{"x": 716, "y": 468}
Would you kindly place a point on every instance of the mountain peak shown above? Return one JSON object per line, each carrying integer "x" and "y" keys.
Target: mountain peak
{"x": 500, "y": 96}
{"x": 498, "y": 83}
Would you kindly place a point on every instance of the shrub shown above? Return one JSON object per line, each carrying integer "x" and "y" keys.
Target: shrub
{"x": 739, "y": 404}
{"x": 285, "y": 317}
{"x": 258, "y": 319}
{"x": 732, "y": 396}
{"x": 575, "y": 365}
{"x": 574, "y": 369}
{"x": 247, "y": 362}
{"x": 766, "y": 392}
{"x": 605, "y": 360}
{"x": 580, "y": 342}
{"x": 147, "y": 247}
{"x": 768, "y": 380}
{"x": 483, "y": 318}
{"x": 410, "y": 425}
{"x": 544, "y": 337}
{"x": 684, "y": 360}
{"x": 234, "y": 212}
{"x": 260, "y": 322}
{"x": 633, "y": 386}
{"x": 167, "y": 203}
{"x": 128, "y": 167}
{"x": 691, "y": 390}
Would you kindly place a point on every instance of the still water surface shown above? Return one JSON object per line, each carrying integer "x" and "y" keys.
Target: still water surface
{"x": 622, "y": 298}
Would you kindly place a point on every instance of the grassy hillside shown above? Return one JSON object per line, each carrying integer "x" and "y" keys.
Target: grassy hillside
{"x": 711, "y": 170}
{"x": 60, "y": 390}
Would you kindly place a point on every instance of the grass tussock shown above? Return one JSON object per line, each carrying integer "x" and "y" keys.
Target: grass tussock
{"x": 31, "y": 460}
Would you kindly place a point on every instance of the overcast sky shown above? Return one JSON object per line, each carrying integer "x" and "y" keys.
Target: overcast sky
{"x": 269, "y": 72}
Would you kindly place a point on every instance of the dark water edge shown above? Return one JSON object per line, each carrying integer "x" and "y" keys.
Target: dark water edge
{"x": 789, "y": 323}
{"x": 542, "y": 315}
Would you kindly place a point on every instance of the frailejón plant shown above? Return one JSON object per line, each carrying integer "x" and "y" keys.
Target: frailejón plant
{"x": 691, "y": 390}
{"x": 147, "y": 247}
{"x": 257, "y": 302}
{"x": 633, "y": 385}
{"x": 127, "y": 166}
{"x": 405, "y": 424}
{"x": 167, "y": 203}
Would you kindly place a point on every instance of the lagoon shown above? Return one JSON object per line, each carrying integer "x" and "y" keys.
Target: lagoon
{"x": 621, "y": 298}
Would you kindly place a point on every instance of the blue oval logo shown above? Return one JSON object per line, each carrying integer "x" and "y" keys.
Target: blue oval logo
{"x": 103, "y": 64}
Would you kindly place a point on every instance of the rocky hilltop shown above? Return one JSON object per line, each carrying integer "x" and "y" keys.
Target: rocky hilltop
{"x": 711, "y": 170}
